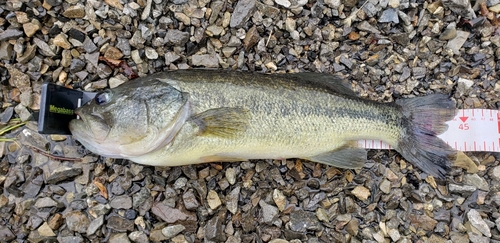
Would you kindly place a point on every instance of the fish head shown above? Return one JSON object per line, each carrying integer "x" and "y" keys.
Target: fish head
{"x": 132, "y": 119}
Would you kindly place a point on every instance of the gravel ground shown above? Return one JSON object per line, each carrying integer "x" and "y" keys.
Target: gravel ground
{"x": 387, "y": 49}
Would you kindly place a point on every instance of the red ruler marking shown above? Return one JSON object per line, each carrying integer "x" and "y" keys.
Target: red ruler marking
{"x": 498, "y": 118}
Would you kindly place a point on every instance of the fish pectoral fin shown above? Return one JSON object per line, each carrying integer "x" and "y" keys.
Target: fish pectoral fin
{"x": 346, "y": 157}
{"x": 222, "y": 122}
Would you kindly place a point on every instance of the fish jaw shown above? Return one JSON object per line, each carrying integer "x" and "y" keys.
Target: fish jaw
{"x": 87, "y": 134}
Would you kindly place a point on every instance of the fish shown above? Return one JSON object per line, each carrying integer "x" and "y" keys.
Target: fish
{"x": 196, "y": 116}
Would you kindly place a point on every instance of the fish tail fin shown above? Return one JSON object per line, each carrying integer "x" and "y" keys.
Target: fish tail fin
{"x": 423, "y": 119}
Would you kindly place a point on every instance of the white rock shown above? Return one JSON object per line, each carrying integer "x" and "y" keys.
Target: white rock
{"x": 477, "y": 221}
{"x": 284, "y": 3}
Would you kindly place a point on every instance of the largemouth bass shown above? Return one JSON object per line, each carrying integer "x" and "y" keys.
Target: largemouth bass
{"x": 197, "y": 116}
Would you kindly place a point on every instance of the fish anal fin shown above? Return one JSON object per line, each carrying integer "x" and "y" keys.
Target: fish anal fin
{"x": 345, "y": 157}
{"x": 222, "y": 122}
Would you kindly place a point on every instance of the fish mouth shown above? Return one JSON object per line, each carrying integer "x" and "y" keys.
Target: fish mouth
{"x": 89, "y": 127}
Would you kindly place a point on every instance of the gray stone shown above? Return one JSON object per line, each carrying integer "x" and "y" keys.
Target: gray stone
{"x": 456, "y": 43}
{"x": 474, "y": 238}
{"x": 495, "y": 173}
{"x": 477, "y": 181}
{"x": 172, "y": 215}
{"x": 346, "y": 61}
{"x": 370, "y": 9}
{"x": 284, "y": 3}
{"x": 269, "y": 212}
{"x": 301, "y": 221}
{"x": 138, "y": 237}
{"x": 365, "y": 26}
{"x": 385, "y": 186}
{"x": 231, "y": 175}
{"x": 77, "y": 221}
{"x": 151, "y": 53}
{"x": 190, "y": 201}
{"x": 419, "y": 72}
{"x": 242, "y": 12}
{"x": 268, "y": 11}
{"x": 124, "y": 46}
{"x": 6, "y": 234}
{"x": 171, "y": 57}
{"x": 18, "y": 79}
{"x": 464, "y": 85}
{"x": 172, "y": 230}
{"x": 77, "y": 65}
{"x": 232, "y": 200}
{"x": 119, "y": 238}
{"x": 176, "y": 37}
{"x": 120, "y": 224}
{"x": 389, "y": 15}
{"x": 137, "y": 41}
{"x": 63, "y": 173}
{"x": 214, "y": 30}
{"x": 180, "y": 183}
{"x": 213, "y": 228}
{"x": 92, "y": 58}
{"x": 460, "y": 7}
{"x": 461, "y": 188}
{"x": 95, "y": 225}
{"x": 179, "y": 1}
{"x": 43, "y": 47}
{"x": 69, "y": 239}
{"x": 54, "y": 3}
{"x": 449, "y": 33}
{"x": 45, "y": 202}
{"x": 100, "y": 209}
{"x": 147, "y": 10}
{"x": 313, "y": 203}
{"x": 88, "y": 45}
{"x": 28, "y": 54}
{"x": 121, "y": 202}
{"x": 216, "y": 8}
{"x": 5, "y": 50}
{"x": 205, "y": 60}
{"x": 334, "y": 4}
{"x": 477, "y": 221}
{"x": 10, "y": 34}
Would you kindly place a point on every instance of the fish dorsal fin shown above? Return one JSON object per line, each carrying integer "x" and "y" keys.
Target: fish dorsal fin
{"x": 347, "y": 157}
{"x": 322, "y": 80}
{"x": 222, "y": 122}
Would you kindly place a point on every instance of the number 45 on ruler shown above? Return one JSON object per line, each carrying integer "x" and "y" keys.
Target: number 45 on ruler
{"x": 474, "y": 130}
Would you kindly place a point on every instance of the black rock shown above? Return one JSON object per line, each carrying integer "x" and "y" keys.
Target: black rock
{"x": 77, "y": 35}
{"x": 55, "y": 30}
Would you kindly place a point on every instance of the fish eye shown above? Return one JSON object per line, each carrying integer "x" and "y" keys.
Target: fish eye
{"x": 103, "y": 98}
